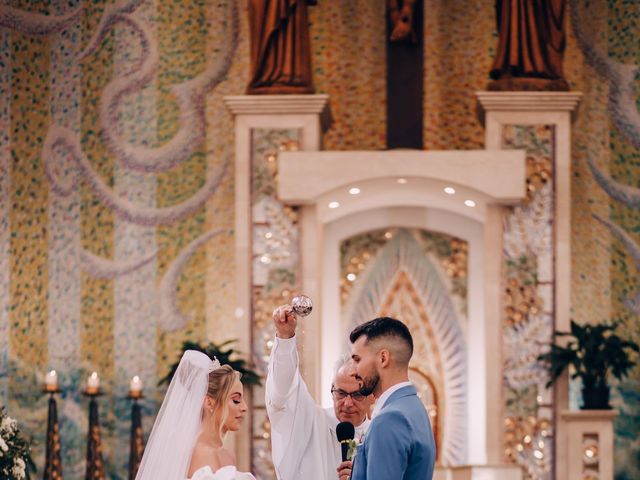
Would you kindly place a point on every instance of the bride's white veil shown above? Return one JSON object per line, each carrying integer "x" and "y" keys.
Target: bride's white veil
{"x": 168, "y": 451}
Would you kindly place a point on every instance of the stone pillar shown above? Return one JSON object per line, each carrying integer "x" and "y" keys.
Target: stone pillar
{"x": 585, "y": 444}
{"x": 264, "y": 126}
{"x": 539, "y": 123}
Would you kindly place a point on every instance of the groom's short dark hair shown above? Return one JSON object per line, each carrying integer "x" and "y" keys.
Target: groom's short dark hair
{"x": 384, "y": 327}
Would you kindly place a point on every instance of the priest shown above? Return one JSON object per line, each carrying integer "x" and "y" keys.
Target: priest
{"x": 303, "y": 435}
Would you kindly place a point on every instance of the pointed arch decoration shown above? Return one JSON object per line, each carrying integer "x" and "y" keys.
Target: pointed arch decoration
{"x": 403, "y": 256}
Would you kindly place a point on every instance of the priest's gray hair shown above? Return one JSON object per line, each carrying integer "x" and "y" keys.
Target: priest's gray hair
{"x": 342, "y": 361}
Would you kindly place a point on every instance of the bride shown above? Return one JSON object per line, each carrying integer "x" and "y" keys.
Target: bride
{"x": 204, "y": 402}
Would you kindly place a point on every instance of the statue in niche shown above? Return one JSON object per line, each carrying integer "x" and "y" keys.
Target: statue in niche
{"x": 401, "y": 17}
{"x": 531, "y": 42}
{"x": 280, "y": 47}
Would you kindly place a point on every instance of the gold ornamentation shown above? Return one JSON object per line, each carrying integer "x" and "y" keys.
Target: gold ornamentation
{"x": 538, "y": 173}
{"x": 528, "y": 441}
{"x": 521, "y": 300}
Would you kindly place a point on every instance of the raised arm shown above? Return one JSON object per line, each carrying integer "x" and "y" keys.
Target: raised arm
{"x": 291, "y": 409}
{"x": 282, "y": 377}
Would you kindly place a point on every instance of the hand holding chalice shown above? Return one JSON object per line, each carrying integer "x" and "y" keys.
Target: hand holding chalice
{"x": 285, "y": 317}
{"x": 302, "y": 305}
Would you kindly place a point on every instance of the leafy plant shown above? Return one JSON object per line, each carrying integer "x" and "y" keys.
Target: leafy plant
{"x": 594, "y": 351}
{"x": 226, "y": 354}
{"x": 15, "y": 450}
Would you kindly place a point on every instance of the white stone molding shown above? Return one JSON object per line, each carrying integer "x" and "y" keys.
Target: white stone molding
{"x": 310, "y": 114}
{"x": 498, "y": 109}
{"x": 586, "y": 430}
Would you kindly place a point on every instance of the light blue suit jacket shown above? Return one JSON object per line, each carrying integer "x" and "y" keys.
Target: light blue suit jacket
{"x": 399, "y": 444}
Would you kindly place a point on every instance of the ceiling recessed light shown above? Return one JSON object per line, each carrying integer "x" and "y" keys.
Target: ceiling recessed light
{"x": 388, "y": 235}
{"x": 449, "y": 190}
{"x": 334, "y": 204}
{"x": 470, "y": 203}
{"x": 354, "y": 190}
{"x": 351, "y": 277}
{"x": 402, "y": 180}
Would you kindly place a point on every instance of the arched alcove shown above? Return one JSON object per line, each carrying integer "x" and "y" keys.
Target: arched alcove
{"x": 490, "y": 179}
{"x": 403, "y": 282}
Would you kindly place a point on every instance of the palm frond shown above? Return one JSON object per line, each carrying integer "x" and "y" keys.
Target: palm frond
{"x": 225, "y": 353}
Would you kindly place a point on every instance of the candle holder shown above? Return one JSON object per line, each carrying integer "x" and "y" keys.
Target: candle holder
{"x": 53, "y": 462}
{"x": 92, "y": 392}
{"x": 94, "y": 461}
{"x": 136, "y": 441}
{"x": 135, "y": 395}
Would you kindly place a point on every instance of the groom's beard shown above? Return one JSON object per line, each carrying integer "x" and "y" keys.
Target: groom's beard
{"x": 369, "y": 384}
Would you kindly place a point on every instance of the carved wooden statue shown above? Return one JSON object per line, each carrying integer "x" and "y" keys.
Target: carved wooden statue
{"x": 280, "y": 47}
{"x": 530, "y": 46}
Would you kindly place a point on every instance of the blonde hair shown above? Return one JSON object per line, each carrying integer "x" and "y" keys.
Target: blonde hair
{"x": 221, "y": 381}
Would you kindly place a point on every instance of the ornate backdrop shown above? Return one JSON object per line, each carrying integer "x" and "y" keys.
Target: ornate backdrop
{"x": 116, "y": 173}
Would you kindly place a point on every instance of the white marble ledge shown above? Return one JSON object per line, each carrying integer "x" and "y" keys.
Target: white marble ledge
{"x": 281, "y": 105}
{"x": 527, "y": 102}
{"x": 479, "y": 472}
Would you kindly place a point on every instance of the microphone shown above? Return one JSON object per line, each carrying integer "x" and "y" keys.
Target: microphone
{"x": 345, "y": 431}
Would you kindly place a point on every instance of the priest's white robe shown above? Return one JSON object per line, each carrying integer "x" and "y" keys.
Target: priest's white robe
{"x": 303, "y": 435}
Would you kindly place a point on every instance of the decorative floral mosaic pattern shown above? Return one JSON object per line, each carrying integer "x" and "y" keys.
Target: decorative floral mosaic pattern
{"x": 275, "y": 270}
{"x": 83, "y": 257}
{"x": 528, "y": 299}
{"x": 451, "y": 253}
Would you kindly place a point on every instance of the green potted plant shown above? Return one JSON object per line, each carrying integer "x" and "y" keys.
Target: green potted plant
{"x": 594, "y": 352}
{"x": 225, "y": 354}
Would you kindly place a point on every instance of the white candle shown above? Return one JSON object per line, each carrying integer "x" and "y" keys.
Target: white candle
{"x": 93, "y": 382}
{"x": 136, "y": 385}
{"x": 51, "y": 380}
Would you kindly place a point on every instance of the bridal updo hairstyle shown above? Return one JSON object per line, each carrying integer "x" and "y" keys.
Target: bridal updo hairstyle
{"x": 221, "y": 381}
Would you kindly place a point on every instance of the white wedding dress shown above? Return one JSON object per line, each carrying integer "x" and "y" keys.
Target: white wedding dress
{"x": 178, "y": 424}
{"x": 225, "y": 473}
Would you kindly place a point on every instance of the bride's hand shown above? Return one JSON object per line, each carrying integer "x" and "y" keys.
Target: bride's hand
{"x": 285, "y": 321}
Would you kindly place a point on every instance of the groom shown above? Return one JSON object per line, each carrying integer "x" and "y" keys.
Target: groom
{"x": 399, "y": 443}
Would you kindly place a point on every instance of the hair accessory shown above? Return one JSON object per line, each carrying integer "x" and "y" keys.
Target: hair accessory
{"x": 215, "y": 364}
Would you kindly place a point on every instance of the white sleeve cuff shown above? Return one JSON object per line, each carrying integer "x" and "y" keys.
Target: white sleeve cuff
{"x": 285, "y": 345}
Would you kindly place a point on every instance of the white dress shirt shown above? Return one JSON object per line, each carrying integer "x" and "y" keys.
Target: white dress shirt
{"x": 385, "y": 396}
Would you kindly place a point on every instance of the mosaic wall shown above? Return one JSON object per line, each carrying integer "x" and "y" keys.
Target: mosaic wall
{"x": 109, "y": 195}
{"x": 606, "y": 146}
{"x": 96, "y": 244}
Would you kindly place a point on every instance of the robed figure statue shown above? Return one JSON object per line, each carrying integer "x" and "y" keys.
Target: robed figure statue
{"x": 280, "y": 47}
{"x": 530, "y": 45}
